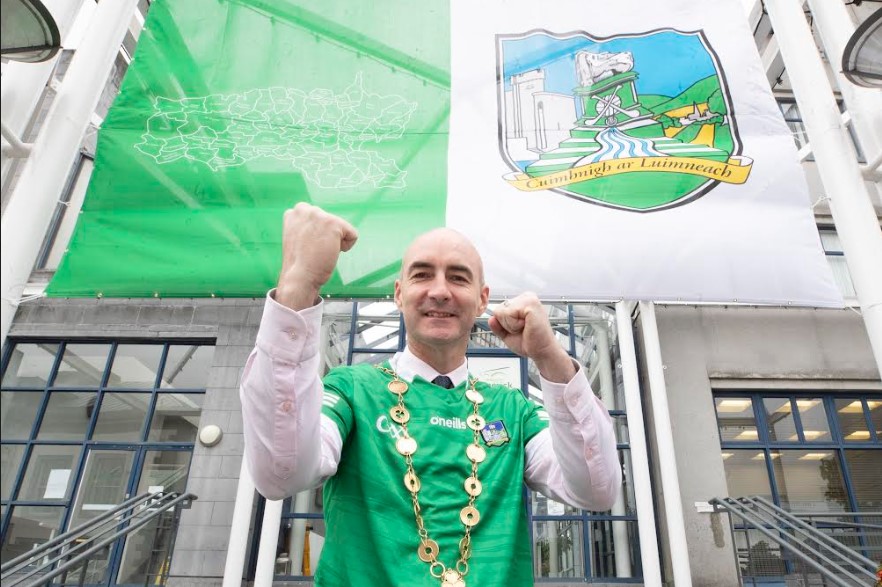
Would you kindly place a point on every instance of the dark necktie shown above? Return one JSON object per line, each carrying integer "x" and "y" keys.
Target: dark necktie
{"x": 443, "y": 381}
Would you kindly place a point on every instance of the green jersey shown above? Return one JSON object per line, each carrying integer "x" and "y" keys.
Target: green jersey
{"x": 371, "y": 531}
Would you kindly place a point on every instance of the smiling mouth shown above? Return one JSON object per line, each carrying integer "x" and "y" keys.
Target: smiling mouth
{"x": 439, "y": 315}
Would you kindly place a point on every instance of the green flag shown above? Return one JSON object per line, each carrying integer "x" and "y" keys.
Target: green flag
{"x": 232, "y": 112}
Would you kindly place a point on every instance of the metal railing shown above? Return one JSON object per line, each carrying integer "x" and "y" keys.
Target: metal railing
{"x": 792, "y": 549}
{"x": 70, "y": 553}
{"x": 862, "y": 531}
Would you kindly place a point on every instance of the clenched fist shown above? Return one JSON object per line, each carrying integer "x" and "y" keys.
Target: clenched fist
{"x": 523, "y": 326}
{"x": 312, "y": 241}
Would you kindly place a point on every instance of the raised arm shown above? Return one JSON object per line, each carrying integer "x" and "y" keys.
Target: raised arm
{"x": 575, "y": 461}
{"x": 288, "y": 446}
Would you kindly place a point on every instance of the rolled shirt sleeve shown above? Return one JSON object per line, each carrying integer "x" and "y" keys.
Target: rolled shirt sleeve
{"x": 575, "y": 460}
{"x": 288, "y": 446}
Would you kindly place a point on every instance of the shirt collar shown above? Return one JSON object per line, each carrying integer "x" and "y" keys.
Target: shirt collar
{"x": 408, "y": 366}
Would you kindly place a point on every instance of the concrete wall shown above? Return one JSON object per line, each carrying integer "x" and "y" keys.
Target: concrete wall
{"x": 710, "y": 348}
{"x": 200, "y": 549}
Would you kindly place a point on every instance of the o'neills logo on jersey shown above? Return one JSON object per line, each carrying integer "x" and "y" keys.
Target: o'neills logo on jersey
{"x": 387, "y": 426}
{"x": 455, "y": 423}
{"x": 636, "y": 121}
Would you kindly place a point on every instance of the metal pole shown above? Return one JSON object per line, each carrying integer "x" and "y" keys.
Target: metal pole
{"x": 44, "y": 173}
{"x": 238, "y": 545}
{"x": 298, "y": 531}
{"x": 553, "y": 549}
{"x": 664, "y": 439}
{"x": 639, "y": 454}
{"x": 853, "y": 214}
{"x": 125, "y": 516}
{"x": 16, "y": 148}
{"x": 735, "y": 546}
{"x": 805, "y": 528}
{"x": 269, "y": 542}
{"x": 872, "y": 171}
{"x": 607, "y": 396}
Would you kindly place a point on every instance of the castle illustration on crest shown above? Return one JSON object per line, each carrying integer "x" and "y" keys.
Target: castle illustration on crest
{"x": 576, "y": 123}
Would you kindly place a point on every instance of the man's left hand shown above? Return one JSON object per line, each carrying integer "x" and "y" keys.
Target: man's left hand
{"x": 523, "y": 326}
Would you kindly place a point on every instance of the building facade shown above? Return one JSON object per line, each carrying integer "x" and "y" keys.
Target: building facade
{"x": 104, "y": 399}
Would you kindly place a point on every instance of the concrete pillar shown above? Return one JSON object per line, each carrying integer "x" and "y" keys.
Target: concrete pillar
{"x": 639, "y": 452}
{"x": 664, "y": 442}
{"x": 43, "y": 176}
{"x": 850, "y": 205}
{"x": 864, "y": 105}
{"x": 24, "y": 83}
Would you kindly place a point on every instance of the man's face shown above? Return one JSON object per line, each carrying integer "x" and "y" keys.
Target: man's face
{"x": 441, "y": 290}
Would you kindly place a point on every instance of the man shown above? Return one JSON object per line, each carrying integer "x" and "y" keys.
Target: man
{"x": 423, "y": 465}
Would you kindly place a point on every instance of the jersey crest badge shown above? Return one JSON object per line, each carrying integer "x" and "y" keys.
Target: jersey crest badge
{"x": 495, "y": 434}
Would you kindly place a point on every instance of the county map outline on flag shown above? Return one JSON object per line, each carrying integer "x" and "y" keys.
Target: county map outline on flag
{"x": 602, "y": 120}
{"x": 325, "y": 135}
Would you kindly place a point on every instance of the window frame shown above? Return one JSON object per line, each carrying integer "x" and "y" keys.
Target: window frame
{"x": 797, "y": 120}
{"x": 850, "y": 294}
{"x": 836, "y": 444}
{"x": 87, "y": 443}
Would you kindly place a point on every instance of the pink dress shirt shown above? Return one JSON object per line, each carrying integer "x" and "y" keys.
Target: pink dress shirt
{"x": 290, "y": 446}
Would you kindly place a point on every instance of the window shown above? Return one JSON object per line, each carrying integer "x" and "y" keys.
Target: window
{"x": 84, "y": 424}
{"x": 836, "y": 259}
{"x": 793, "y": 118}
{"x": 736, "y": 419}
{"x": 816, "y": 454}
{"x": 62, "y": 224}
{"x": 795, "y": 448}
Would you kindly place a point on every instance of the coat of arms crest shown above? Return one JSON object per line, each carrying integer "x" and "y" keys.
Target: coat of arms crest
{"x": 639, "y": 122}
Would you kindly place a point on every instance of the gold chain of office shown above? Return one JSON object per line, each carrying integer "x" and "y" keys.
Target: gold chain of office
{"x": 406, "y": 445}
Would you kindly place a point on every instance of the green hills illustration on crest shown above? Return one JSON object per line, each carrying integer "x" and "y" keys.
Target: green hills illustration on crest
{"x": 708, "y": 137}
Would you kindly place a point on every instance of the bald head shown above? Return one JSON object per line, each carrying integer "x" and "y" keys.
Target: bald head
{"x": 455, "y": 245}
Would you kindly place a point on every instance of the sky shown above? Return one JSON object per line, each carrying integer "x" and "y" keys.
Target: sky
{"x": 666, "y": 62}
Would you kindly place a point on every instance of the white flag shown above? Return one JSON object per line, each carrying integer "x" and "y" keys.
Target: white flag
{"x": 626, "y": 150}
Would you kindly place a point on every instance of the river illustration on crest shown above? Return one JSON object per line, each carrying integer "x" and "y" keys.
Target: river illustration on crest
{"x": 640, "y": 122}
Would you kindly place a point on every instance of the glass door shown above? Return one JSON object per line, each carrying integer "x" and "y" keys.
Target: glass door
{"x": 147, "y": 551}
{"x": 104, "y": 484}
{"x": 110, "y": 476}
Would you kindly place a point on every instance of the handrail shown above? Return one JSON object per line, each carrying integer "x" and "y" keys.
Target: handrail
{"x": 62, "y": 537}
{"x": 836, "y": 524}
{"x": 124, "y": 532}
{"x": 153, "y": 512}
{"x": 835, "y": 544}
{"x": 760, "y": 526}
{"x": 79, "y": 531}
{"x": 738, "y": 509}
{"x": 810, "y": 514}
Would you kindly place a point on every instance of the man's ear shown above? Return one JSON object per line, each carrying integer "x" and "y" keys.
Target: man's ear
{"x": 397, "y": 296}
{"x": 485, "y": 298}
